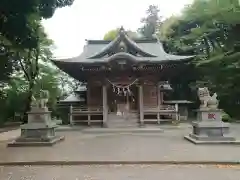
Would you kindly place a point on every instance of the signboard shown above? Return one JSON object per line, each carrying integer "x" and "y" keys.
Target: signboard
{"x": 211, "y": 116}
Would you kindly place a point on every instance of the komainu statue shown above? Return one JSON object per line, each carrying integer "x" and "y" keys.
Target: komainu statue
{"x": 42, "y": 101}
{"x": 213, "y": 102}
{"x": 44, "y": 96}
{"x": 206, "y": 100}
{"x": 204, "y": 96}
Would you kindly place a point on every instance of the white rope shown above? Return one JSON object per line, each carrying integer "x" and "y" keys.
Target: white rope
{"x": 119, "y": 86}
{"x": 122, "y": 89}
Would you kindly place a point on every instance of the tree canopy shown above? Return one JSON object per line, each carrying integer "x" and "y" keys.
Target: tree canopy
{"x": 23, "y": 47}
{"x": 110, "y": 35}
{"x": 150, "y": 23}
{"x": 209, "y": 30}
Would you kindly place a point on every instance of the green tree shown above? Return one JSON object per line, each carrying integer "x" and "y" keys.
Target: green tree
{"x": 16, "y": 16}
{"x": 209, "y": 30}
{"x": 29, "y": 62}
{"x": 18, "y": 21}
{"x": 112, "y": 34}
{"x": 23, "y": 45}
{"x": 15, "y": 93}
{"x": 151, "y": 22}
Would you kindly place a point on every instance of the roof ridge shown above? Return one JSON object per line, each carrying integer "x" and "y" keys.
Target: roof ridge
{"x": 139, "y": 40}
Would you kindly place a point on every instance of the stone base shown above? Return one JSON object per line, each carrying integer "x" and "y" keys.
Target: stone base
{"x": 212, "y": 141}
{"x": 210, "y": 128}
{"x": 211, "y": 132}
{"x": 37, "y": 134}
{"x": 209, "y": 114}
{"x": 23, "y": 142}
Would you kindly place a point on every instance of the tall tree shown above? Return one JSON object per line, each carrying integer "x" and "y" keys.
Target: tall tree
{"x": 151, "y": 22}
{"x": 29, "y": 60}
{"x": 16, "y": 15}
{"x": 17, "y": 27}
{"x": 212, "y": 35}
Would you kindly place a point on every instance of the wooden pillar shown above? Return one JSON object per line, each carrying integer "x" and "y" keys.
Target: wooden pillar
{"x": 185, "y": 113}
{"x": 127, "y": 108}
{"x": 177, "y": 112}
{"x": 158, "y": 103}
{"x": 70, "y": 115}
{"x": 88, "y": 104}
{"x": 89, "y": 119}
{"x": 105, "y": 106}
{"x": 140, "y": 92}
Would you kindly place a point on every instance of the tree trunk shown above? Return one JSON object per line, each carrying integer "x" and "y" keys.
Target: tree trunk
{"x": 28, "y": 101}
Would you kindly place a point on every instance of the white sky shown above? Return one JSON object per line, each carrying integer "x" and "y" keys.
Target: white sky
{"x": 91, "y": 19}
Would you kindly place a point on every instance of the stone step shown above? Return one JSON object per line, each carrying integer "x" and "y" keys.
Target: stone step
{"x": 122, "y": 126}
{"x": 122, "y": 121}
{"x": 117, "y": 118}
{"x": 123, "y": 130}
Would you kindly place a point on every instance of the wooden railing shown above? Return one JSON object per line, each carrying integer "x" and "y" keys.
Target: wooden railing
{"x": 161, "y": 108}
{"x": 85, "y": 109}
{"x": 166, "y": 110}
{"x": 87, "y": 112}
{"x": 95, "y": 114}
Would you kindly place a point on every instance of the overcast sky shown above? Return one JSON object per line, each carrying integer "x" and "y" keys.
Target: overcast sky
{"x": 91, "y": 19}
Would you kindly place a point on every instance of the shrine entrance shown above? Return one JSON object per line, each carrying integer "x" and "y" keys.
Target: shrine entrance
{"x": 121, "y": 104}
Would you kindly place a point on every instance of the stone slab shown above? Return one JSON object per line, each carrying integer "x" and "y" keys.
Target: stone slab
{"x": 211, "y": 141}
{"x": 33, "y": 142}
{"x": 212, "y": 138}
{"x": 211, "y": 124}
{"x": 39, "y": 126}
{"x": 123, "y": 130}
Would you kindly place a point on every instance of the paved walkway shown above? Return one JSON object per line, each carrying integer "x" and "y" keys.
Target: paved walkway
{"x": 117, "y": 172}
{"x": 9, "y": 135}
{"x": 166, "y": 146}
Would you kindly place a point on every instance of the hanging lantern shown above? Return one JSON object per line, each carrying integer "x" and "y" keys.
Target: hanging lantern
{"x": 165, "y": 87}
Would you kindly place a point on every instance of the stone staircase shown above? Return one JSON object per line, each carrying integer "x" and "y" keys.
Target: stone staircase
{"x": 130, "y": 121}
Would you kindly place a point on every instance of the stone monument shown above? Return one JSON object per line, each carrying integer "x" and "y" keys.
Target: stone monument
{"x": 40, "y": 129}
{"x": 209, "y": 127}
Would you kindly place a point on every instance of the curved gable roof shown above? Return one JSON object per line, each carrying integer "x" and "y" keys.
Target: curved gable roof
{"x": 95, "y": 51}
{"x": 122, "y": 37}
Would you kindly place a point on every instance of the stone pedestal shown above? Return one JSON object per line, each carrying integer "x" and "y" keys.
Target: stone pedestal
{"x": 210, "y": 129}
{"x": 39, "y": 131}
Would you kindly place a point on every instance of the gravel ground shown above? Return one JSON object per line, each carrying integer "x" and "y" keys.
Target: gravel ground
{"x": 121, "y": 172}
{"x": 166, "y": 146}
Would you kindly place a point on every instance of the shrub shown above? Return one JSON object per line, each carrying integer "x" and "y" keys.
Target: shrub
{"x": 226, "y": 117}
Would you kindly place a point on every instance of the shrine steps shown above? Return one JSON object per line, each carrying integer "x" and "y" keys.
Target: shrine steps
{"x": 130, "y": 120}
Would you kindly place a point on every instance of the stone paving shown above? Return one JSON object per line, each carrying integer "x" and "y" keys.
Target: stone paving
{"x": 118, "y": 172}
{"x": 166, "y": 146}
{"x": 9, "y": 135}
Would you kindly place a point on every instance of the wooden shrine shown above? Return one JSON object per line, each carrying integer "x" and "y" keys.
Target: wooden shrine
{"x": 126, "y": 80}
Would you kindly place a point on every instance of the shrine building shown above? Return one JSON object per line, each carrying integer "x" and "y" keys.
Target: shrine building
{"x": 125, "y": 81}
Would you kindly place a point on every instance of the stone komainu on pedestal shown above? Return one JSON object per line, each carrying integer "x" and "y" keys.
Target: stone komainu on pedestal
{"x": 209, "y": 127}
{"x": 40, "y": 129}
